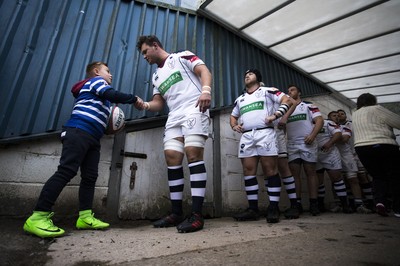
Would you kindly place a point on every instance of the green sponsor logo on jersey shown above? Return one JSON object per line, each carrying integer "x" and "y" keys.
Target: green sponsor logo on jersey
{"x": 251, "y": 107}
{"x": 298, "y": 117}
{"x": 171, "y": 80}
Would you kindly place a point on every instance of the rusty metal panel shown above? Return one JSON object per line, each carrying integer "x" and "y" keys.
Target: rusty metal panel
{"x": 46, "y": 45}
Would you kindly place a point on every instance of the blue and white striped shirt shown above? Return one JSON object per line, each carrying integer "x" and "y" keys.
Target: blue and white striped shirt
{"x": 91, "y": 111}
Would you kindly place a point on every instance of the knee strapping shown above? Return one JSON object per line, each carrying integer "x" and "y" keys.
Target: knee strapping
{"x": 282, "y": 155}
{"x": 351, "y": 175}
{"x": 173, "y": 144}
{"x": 195, "y": 141}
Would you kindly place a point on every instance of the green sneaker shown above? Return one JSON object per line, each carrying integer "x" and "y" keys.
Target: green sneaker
{"x": 86, "y": 220}
{"x": 41, "y": 225}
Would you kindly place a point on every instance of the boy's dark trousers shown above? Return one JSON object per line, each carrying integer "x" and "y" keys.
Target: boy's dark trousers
{"x": 80, "y": 149}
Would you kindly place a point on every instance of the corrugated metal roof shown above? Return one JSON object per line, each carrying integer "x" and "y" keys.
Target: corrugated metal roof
{"x": 46, "y": 45}
{"x": 351, "y": 46}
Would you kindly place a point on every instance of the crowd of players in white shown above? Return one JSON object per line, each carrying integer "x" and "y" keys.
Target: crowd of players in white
{"x": 303, "y": 137}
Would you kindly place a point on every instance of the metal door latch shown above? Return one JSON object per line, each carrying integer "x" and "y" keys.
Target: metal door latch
{"x": 133, "y": 154}
{"x": 133, "y": 168}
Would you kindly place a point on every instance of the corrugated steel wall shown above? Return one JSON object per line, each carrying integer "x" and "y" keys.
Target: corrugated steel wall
{"x": 45, "y": 46}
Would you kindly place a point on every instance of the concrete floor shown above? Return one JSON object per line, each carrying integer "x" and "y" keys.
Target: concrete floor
{"x": 328, "y": 239}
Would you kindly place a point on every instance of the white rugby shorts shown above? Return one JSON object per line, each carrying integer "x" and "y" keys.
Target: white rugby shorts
{"x": 329, "y": 160}
{"x": 308, "y": 153}
{"x": 190, "y": 124}
{"x": 349, "y": 164}
{"x": 260, "y": 142}
{"x": 281, "y": 142}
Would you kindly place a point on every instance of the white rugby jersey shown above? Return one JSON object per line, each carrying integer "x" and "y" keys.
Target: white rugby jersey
{"x": 255, "y": 107}
{"x": 346, "y": 148}
{"x": 300, "y": 122}
{"x": 327, "y": 132}
{"x": 176, "y": 82}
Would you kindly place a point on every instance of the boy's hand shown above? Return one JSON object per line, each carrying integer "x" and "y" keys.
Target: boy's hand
{"x": 139, "y": 104}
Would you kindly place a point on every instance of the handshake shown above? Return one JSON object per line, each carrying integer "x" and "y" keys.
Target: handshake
{"x": 157, "y": 103}
{"x": 140, "y": 104}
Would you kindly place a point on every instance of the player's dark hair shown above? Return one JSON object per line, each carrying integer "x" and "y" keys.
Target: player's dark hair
{"x": 149, "y": 40}
{"x": 297, "y": 87}
{"x": 330, "y": 113}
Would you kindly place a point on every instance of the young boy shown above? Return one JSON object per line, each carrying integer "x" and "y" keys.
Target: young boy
{"x": 81, "y": 149}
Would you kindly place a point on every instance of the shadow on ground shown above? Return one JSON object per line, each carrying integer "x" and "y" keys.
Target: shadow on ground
{"x": 18, "y": 248}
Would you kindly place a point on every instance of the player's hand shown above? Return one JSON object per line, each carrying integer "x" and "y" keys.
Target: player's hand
{"x": 204, "y": 102}
{"x": 326, "y": 147}
{"x": 238, "y": 128}
{"x": 308, "y": 140}
{"x": 282, "y": 126}
{"x": 282, "y": 123}
{"x": 270, "y": 119}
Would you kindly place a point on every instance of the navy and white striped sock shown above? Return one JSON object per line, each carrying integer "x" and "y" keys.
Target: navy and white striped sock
{"x": 321, "y": 191}
{"x": 367, "y": 190}
{"x": 340, "y": 188}
{"x": 274, "y": 189}
{"x": 290, "y": 188}
{"x": 176, "y": 183}
{"x": 198, "y": 181}
{"x": 251, "y": 186}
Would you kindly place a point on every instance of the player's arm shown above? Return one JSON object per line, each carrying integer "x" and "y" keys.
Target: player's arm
{"x": 155, "y": 105}
{"x": 318, "y": 124}
{"x": 286, "y": 103}
{"x": 345, "y": 138}
{"x": 293, "y": 106}
{"x": 283, "y": 121}
{"x": 205, "y": 77}
{"x": 346, "y": 135}
{"x": 234, "y": 122}
{"x": 329, "y": 144}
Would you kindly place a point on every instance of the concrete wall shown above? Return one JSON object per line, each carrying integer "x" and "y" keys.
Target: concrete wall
{"x": 149, "y": 196}
{"x": 26, "y": 166}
